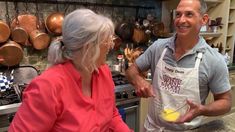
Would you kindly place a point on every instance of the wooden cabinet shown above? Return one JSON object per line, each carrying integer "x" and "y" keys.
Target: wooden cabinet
{"x": 232, "y": 83}
{"x": 216, "y": 8}
{"x": 230, "y": 38}
{"x": 144, "y": 105}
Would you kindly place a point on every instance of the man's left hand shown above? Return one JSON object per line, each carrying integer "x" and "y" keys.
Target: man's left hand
{"x": 193, "y": 112}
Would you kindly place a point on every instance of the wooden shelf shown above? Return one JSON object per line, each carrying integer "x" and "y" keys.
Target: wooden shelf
{"x": 214, "y": 1}
{"x": 216, "y": 8}
{"x": 231, "y": 21}
{"x": 204, "y": 34}
{"x": 210, "y": 34}
{"x": 229, "y": 35}
{"x": 228, "y": 49}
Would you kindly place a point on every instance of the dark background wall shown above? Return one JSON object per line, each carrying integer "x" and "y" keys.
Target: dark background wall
{"x": 118, "y": 10}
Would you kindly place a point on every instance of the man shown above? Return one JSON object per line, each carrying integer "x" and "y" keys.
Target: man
{"x": 184, "y": 68}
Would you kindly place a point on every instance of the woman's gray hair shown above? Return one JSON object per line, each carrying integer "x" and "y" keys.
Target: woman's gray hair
{"x": 82, "y": 32}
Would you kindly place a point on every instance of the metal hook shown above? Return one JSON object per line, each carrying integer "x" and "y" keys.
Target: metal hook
{"x": 7, "y": 13}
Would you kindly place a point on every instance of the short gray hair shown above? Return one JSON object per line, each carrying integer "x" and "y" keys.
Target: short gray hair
{"x": 81, "y": 28}
{"x": 203, "y": 8}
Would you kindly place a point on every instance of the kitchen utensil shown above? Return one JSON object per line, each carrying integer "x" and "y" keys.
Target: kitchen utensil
{"x": 158, "y": 29}
{"x": 117, "y": 42}
{"x": 4, "y": 28}
{"x": 38, "y": 38}
{"x": 125, "y": 30}
{"x": 12, "y": 53}
{"x": 4, "y": 31}
{"x": 28, "y": 22}
{"x": 172, "y": 114}
{"x": 54, "y": 22}
{"x": 139, "y": 36}
{"x": 18, "y": 34}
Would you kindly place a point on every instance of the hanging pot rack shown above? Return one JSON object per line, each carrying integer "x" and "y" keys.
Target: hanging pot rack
{"x": 137, "y": 7}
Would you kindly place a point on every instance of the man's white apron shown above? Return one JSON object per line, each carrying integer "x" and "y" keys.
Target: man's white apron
{"x": 173, "y": 85}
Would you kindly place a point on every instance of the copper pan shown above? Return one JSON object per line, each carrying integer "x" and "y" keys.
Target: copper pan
{"x": 11, "y": 53}
{"x": 117, "y": 42}
{"x": 139, "y": 36}
{"x": 4, "y": 32}
{"x": 28, "y": 22}
{"x": 39, "y": 39}
{"x": 125, "y": 30}
{"x": 54, "y": 22}
{"x": 19, "y": 34}
{"x": 158, "y": 29}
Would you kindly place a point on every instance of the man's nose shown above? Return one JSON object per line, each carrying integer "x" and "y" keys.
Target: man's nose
{"x": 182, "y": 18}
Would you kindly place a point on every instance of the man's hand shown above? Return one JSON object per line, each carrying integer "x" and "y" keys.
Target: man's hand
{"x": 193, "y": 112}
{"x": 144, "y": 89}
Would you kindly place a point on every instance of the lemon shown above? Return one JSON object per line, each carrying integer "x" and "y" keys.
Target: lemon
{"x": 167, "y": 115}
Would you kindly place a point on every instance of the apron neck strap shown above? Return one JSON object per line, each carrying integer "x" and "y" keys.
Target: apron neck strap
{"x": 163, "y": 53}
{"x": 198, "y": 59}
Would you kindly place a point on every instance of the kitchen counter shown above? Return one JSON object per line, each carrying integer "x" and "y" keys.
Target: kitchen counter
{"x": 223, "y": 124}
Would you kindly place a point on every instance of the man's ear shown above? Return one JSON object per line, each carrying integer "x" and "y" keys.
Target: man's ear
{"x": 205, "y": 19}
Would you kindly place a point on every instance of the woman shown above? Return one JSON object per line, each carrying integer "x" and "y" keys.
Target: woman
{"x": 76, "y": 93}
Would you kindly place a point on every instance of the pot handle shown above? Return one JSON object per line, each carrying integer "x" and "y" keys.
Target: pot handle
{"x": 37, "y": 16}
{"x": 7, "y": 13}
{"x": 17, "y": 13}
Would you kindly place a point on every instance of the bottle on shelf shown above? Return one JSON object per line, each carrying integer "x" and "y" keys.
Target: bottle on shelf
{"x": 220, "y": 47}
{"x": 227, "y": 58}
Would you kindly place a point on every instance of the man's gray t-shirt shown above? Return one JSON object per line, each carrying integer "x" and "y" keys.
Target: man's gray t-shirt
{"x": 213, "y": 71}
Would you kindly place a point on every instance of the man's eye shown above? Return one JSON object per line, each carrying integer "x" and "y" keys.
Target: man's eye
{"x": 177, "y": 15}
{"x": 189, "y": 14}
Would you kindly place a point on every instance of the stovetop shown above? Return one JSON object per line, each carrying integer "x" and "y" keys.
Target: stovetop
{"x": 12, "y": 95}
{"x": 124, "y": 91}
{"x": 9, "y": 97}
{"x": 119, "y": 79}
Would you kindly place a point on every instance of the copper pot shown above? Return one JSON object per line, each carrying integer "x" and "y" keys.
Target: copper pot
{"x": 117, "y": 42}
{"x": 139, "y": 36}
{"x": 54, "y": 22}
{"x": 39, "y": 39}
{"x": 4, "y": 32}
{"x": 158, "y": 29}
{"x": 11, "y": 53}
{"x": 28, "y": 22}
{"x": 19, "y": 34}
{"x": 125, "y": 31}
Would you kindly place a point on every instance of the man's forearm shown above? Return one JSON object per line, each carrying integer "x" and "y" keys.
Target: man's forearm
{"x": 220, "y": 106}
{"x": 133, "y": 74}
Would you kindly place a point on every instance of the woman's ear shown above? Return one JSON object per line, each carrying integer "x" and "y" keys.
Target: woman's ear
{"x": 205, "y": 19}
